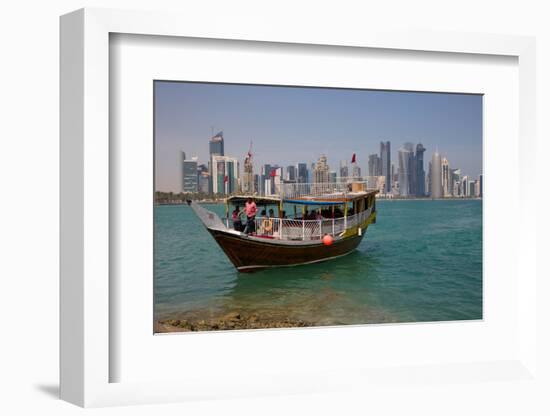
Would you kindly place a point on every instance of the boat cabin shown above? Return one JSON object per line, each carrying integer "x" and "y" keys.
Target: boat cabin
{"x": 305, "y": 211}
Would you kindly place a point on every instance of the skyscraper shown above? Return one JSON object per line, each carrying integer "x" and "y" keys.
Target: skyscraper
{"x": 215, "y": 149}
{"x": 248, "y": 175}
{"x": 291, "y": 173}
{"x": 182, "y": 164}
{"x": 224, "y": 174}
{"x": 420, "y": 173}
{"x": 344, "y": 171}
{"x": 446, "y": 178}
{"x": 375, "y": 165}
{"x": 406, "y": 158}
{"x": 321, "y": 172}
{"x": 190, "y": 176}
{"x": 480, "y": 186}
{"x": 216, "y": 145}
{"x": 302, "y": 172}
{"x": 437, "y": 189}
{"x": 386, "y": 166}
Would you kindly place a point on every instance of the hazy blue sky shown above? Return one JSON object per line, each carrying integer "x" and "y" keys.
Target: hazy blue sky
{"x": 292, "y": 124}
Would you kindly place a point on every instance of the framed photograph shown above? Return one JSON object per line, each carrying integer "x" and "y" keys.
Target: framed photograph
{"x": 267, "y": 213}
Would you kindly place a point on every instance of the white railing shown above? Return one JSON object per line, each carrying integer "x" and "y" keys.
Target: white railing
{"x": 300, "y": 230}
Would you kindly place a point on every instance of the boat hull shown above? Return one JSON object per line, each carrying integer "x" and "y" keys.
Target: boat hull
{"x": 250, "y": 255}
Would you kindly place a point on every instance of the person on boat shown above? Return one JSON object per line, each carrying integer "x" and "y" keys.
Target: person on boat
{"x": 236, "y": 217}
{"x": 266, "y": 225}
{"x": 250, "y": 211}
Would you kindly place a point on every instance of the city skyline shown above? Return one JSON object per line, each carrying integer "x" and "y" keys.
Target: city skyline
{"x": 176, "y": 120}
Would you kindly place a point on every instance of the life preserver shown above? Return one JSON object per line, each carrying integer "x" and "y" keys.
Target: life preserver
{"x": 267, "y": 225}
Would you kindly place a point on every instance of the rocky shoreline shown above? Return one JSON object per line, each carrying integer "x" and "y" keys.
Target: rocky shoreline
{"x": 230, "y": 321}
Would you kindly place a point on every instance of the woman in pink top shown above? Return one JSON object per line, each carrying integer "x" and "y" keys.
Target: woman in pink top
{"x": 250, "y": 211}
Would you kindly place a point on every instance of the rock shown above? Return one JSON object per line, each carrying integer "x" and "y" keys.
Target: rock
{"x": 232, "y": 316}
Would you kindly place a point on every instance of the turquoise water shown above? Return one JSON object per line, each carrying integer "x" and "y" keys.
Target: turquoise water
{"x": 421, "y": 261}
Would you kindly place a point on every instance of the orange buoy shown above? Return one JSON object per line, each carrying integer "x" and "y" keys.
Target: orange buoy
{"x": 328, "y": 240}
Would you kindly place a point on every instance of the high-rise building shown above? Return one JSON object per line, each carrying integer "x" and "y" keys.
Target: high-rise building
{"x": 480, "y": 186}
{"x": 386, "y": 165}
{"x": 455, "y": 182}
{"x": 216, "y": 148}
{"x": 224, "y": 174}
{"x": 291, "y": 174}
{"x": 302, "y": 172}
{"x": 405, "y": 159}
{"x": 182, "y": 163}
{"x": 248, "y": 175}
{"x": 437, "y": 189}
{"x": 190, "y": 176}
{"x": 216, "y": 145}
{"x": 471, "y": 188}
{"x": 344, "y": 171}
{"x": 429, "y": 178}
{"x": 465, "y": 191}
{"x": 333, "y": 176}
{"x": 446, "y": 178}
{"x": 420, "y": 173}
{"x": 374, "y": 165}
{"x": 321, "y": 170}
{"x": 204, "y": 179}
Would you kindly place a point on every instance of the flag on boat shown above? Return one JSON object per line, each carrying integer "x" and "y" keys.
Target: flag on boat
{"x": 353, "y": 158}
{"x": 225, "y": 179}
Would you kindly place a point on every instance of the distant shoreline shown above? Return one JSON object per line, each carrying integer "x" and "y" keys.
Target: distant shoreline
{"x": 222, "y": 201}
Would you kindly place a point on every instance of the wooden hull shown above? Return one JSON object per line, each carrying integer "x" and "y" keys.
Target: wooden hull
{"x": 249, "y": 254}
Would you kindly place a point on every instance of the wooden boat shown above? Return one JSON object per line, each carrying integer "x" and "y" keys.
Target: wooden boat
{"x": 329, "y": 221}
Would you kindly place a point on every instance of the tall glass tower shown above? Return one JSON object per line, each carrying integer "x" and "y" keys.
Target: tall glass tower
{"x": 420, "y": 173}
{"x": 385, "y": 159}
{"x": 406, "y": 158}
{"x": 437, "y": 189}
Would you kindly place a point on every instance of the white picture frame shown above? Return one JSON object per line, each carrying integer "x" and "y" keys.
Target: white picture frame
{"x": 86, "y": 356}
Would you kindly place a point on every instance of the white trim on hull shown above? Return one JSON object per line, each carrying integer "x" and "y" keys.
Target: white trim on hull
{"x": 293, "y": 264}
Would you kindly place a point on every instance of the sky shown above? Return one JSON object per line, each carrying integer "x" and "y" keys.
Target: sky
{"x": 288, "y": 125}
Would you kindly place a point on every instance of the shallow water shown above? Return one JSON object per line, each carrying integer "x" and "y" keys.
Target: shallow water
{"x": 421, "y": 261}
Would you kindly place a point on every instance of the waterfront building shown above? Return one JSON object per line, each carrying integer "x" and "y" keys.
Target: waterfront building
{"x": 248, "y": 175}
{"x": 333, "y": 176}
{"x": 471, "y": 188}
{"x": 456, "y": 188}
{"x": 374, "y": 165}
{"x": 257, "y": 184}
{"x": 302, "y": 172}
{"x": 446, "y": 178}
{"x": 277, "y": 175}
{"x": 190, "y": 176}
{"x": 291, "y": 173}
{"x": 476, "y": 190}
{"x": 216, "y": 148}
{"x": 217, "y": 145}
{"x": 464, "y": 191}
{"x": 480, "y": 186}
{"x": 321, "y": 170}
{"x": 420, "y": 173}
{"x": 405, "y": 159}
{"x": 224, "y": 174}
{"x": 344, "y": 171}
{"x": 386, "y": 165}
{"x": 436, "y": 188}
{"x": 455, "y": 177}
{"x": 204, "y": 179}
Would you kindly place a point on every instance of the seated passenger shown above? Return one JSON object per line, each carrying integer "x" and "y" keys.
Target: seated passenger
{"x": 236, "y": 217}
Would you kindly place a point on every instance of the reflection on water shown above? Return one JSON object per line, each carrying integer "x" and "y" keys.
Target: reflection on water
{"x": 421, "y": 261}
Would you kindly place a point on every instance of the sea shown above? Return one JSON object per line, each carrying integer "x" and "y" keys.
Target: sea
{"x": 421, "y": 261}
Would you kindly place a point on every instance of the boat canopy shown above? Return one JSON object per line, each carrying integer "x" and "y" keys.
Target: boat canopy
{"x": 260, "y": 200}
{"x": 334, "y": 198}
